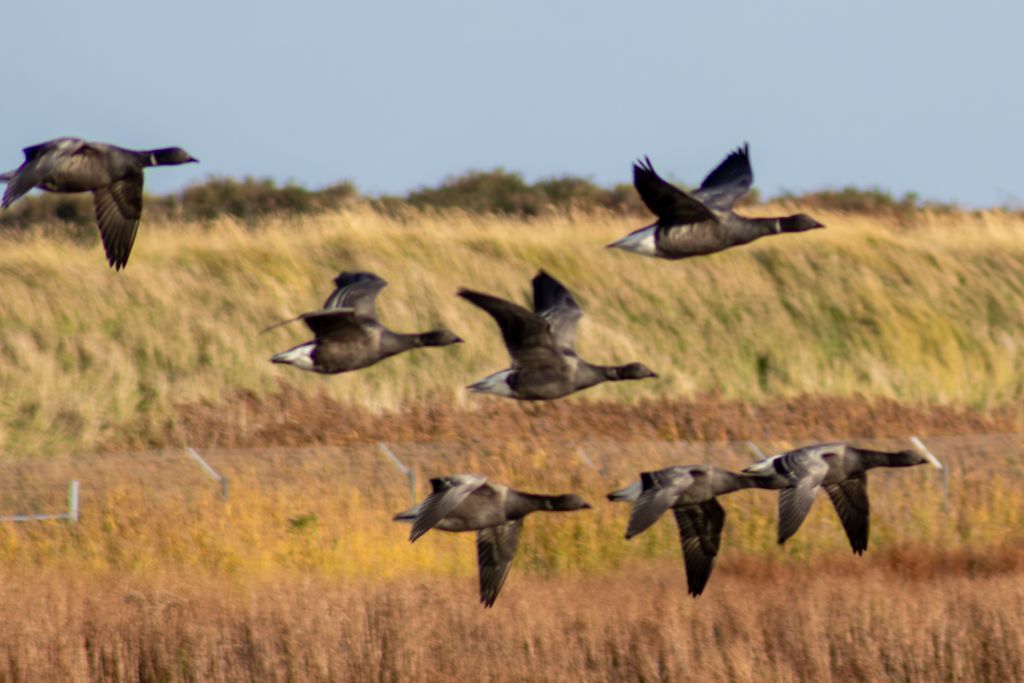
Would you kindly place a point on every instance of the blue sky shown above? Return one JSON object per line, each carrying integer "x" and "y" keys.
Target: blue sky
{"x": 908, "y": 96}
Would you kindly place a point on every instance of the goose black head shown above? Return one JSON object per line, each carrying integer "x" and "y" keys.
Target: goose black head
{"x": 567, "y": 502}
{"x": 441, "y": 337}
{"x": 908, "y": 459}
{"x": 171, "y": 156}
{"x": 635, "y": 371}
{"x": 800, "y": 222}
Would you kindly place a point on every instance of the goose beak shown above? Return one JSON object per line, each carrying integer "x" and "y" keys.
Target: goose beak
{"x": 192, "y": 160}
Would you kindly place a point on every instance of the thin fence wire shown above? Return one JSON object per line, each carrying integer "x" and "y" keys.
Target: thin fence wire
{"x": 972, "y": 461}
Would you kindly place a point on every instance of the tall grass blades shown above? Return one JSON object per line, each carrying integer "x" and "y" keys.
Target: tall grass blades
{"x": 931, "y": 314}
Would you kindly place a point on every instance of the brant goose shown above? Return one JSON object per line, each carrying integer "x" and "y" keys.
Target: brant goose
{"x": 347, "y": 334}
{"x": 544, "y": 364}
{"x": 702, "y": 222}
{"x": 468, "y": 502}
{"x": 690, "y": 491}
{"x": 838, "y": 467}
{"x": 112, "y": 174}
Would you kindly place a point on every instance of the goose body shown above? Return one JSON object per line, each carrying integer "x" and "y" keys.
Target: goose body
{"x": 469, "y": 502}
{"x": 113, "y": 174}
{"x": 703, "y": 221}
{"x": 690, "y": 491}
{"x": 544, "y": 364}
{"x": 841, "y": 470}
{"x": 347, "y": 334}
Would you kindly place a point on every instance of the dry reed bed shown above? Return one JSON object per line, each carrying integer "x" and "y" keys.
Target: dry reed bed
{"x": 933, "y": 314}
{"x": 843, "y": 620}
{"x": 329, "y": 509}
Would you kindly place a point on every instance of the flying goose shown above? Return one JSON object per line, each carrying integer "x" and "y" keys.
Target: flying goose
{"x": 690, "y": 491}
{"x": 838, "y": 467}
{"x": 346, "y": 333}
{"x": 544, "y": 364}
{"x": 113, "y": 175}
{"x": 702, "y": 221}
{"x": 468, "y": 502}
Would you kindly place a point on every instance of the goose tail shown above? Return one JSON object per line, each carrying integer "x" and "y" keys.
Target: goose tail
{"x": 408, "y": 516}
{"x": 630, "y": 494}
{"x": 301, "y": 356}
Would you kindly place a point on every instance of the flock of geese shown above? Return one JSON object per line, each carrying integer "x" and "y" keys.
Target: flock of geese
{"x": 347, "y": 336}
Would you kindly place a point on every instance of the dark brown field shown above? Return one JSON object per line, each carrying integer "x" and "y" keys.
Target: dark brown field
{"x": 290, "y": 418}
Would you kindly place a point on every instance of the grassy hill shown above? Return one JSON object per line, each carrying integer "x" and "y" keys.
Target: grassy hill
{"x": 932, "y": 313}
{"x": 302, "y": 570}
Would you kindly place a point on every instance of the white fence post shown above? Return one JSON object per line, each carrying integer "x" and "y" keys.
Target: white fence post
{"x": 586, "y": 459}
{"x": 73, "y": 509}
{"x": 938, "y": 463}
{"x": 402, "y": 467}
{"x": 71, "y": 515}
{"x": 758, "y": 453}
{"x": 210, "y": 471}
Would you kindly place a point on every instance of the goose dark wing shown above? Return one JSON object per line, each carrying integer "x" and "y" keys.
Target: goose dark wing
{"x": 358, "y": 291}
{"x": 794, "y": 504}
{"x": 668, "y": 202}
{"x": 118, "y": 210}
{"x": 850, "y": 498}
{"x": 553, "y": 302}
{"x": 730, "y": 180}
{"x": 521, "y": 329}
{"x": 659, "y": 492}
{"x": 330, "y": 322}
{"x": 448, "y": 492}
{"x": 495, "y": 549}
{"x": 700, "y": 533}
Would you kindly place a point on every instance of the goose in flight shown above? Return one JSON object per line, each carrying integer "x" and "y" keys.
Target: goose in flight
{"x": 702, "y": 221}
{"x": 540, "y": 342}
{"x": 346, "y": 333}
{"x": 841, "y": 470}
{"x": 468, "y": 502}
{"x": 691, "y": 492}
{"x": 113, "y": 175}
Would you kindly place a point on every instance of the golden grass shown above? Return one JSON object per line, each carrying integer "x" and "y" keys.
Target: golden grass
{"x": 837, "y": 622}
{"x": 933, "y": 314}
{"x": 328, "y": 510}
{"x": 301, "y": 576}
